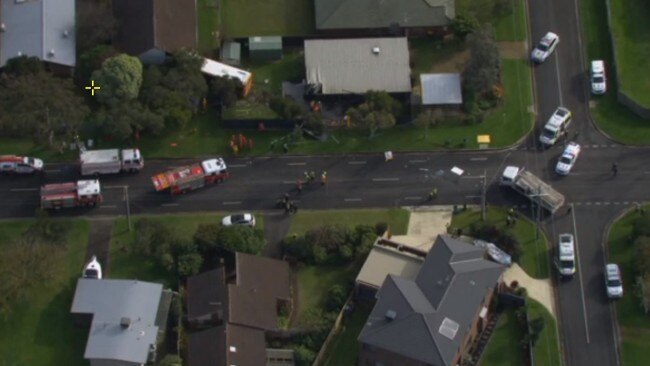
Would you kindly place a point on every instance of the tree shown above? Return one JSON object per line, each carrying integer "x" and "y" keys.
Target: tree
{"x": 206, "y": 238}
{"x": 50, "y": 113}
{"x": 122, "y": 120}
{"x": 171, "y": 360}
{"x": 119, "y": 78}
{"x": 242, "y": 239}
{"x": 377, "y": 112}
{"x": 23, "y": 65}
{"x": 428, "y": 118}
{"x": 90, "y": 61}
{"x": 184, "y": 77}
{"x": 285, "y": 107}
{"x": 304, "y": 356}
{"x": 226, "y": 90}
{"x": 336, "y": 296}
{"x": 641, "y": 226}
{"x": 189, "y": 264}
{"x": 483, "y": 68}
{"x": 314, "y": 123}
{"x": 536, "y": 325}
{"x": 464, "y": 24}
{"x": 642, "y": 255}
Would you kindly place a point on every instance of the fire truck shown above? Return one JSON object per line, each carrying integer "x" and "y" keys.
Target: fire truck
{"x": 188, "y": 178}
{"x": 20, "y": 164}
{"x": 82, "y": 193}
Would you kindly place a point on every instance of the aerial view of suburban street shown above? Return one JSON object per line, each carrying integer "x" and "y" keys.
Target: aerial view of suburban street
{"x": 324, "y": 183}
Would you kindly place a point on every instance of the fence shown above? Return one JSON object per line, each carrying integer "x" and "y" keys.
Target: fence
{"x": 337, "y": 324}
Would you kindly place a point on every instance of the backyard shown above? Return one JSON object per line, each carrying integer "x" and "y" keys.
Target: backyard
{"x": 633, "y": 323}
{"x": 534, "y": 252}
{"x": 313, "y": 285}
{"x": 38, "y": 330}
{"x": 344, "y": 348}
{"x": 502, "y": 349}
{"x": 246, "y": 18}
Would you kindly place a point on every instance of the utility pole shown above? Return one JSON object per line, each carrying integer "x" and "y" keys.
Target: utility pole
{"x": 128, "y": 206}
{"x": 484, "y": 196}
{"x": 539, "y": 211}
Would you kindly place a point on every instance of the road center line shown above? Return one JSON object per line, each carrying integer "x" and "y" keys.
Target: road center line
{"x": 582, "y": 289}
{"x": 385, "y": 179}
{"x": 297, "y": 164}
{"x": 170, "y": 204}
{"x": 232, "y": 202}
{"x": 559, "y": 81}
{"x": 478, "y": 159}
{"x": 356, "y": 162}
{"x": 352, "y": 199}
{"x": 23, "y": 189}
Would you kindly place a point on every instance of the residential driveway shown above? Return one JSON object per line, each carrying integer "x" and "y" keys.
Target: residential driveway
{"x": 540, "y": 290}
{"x": 99, "y": 239}
{"x": 425, "y": 224}
{"x": 276, "y": 228}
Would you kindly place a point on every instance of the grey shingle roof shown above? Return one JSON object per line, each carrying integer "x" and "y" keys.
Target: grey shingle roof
{"x": 440, "y": 89}
{"x": 362, "y": 14}
{"x": 40, "y": 28}
{"x": 451, "y": 284}
{"x": 343, "y": 66}
{"x": 111, "y": 300}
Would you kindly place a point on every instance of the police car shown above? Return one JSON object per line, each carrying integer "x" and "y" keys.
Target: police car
{"x": 568, "y": 158}
{"x": 556, "y": 126}
{"x": 545, "y": 47}
{"x": 598, "y": 78}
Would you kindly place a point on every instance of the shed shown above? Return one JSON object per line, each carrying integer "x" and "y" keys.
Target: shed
{"x": 231, "y": 53}
{"x": 441, "y": 89}
{"x": 265, "y": 48}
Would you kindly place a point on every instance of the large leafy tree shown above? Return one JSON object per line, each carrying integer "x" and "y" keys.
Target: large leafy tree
{"x": 483, "y": 68}
{"x": 119, "y": 78}
{"x": 377, "y": 112}
{"x": 123, "y": 120}
{"x": 42, "y": 106}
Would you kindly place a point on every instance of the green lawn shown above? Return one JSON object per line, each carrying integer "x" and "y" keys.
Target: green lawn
{"x": 508, "y": 27}
{"x": 534, "y": 252}
{"x": 313, "y": 284}
{"x": 269, "y": 75}
{"x": 634, "y": 324}
{"x": 27, "y": 147}
{"x": 614, "y": 118}
{"x": 208, "y": 19}
{"x": 502, "y": 349}
{"x": 243, "y": 109}
{"x": 546, "y": 352}
{"x": 39, "y": 330}
{"x": 344, "y": 348}
{"x": 631, "y": 33}
{"x": 246, "y": 18}
{"x": 397, "y": 219}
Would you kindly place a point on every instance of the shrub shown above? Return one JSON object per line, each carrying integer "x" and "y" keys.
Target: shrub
{"x": 285, "y": 107}
{"x": 299, "y": 248}
{"x": 535, "y": 329}
{"x": 641, "y": 227}
{"x": 380, "y": 228}
{"x": 642, "y": 255}
{"x": 336, "y": 297}
{"x": 303, "y": 356}
{"x": 464, "y": 24}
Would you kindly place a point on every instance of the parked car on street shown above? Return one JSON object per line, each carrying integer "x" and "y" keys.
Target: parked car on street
{"x": 245, "y": 219}
{"x": 545, "y": 47}
{"x": 566, "y": 260}
{"x": 598, "y": 78}
{"x": 613, "y": 281}
{"x": 568, "y": 159}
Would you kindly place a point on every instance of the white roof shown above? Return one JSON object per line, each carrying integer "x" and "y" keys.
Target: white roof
{"x": 215, "y": 68}
{"x": 566, "y": 251}
{"x": 510, "y": 172}
{"x": 128, "y": 154}
{"x": 346, "y": 66}
{"x": 441, "y": 89}
{"x": 88, "y": 187}
{"x": 99, "y": 156}
{"x": 597, "y": 66}
{"x": 213, "y": 165}
{"x": 572, "y": 149}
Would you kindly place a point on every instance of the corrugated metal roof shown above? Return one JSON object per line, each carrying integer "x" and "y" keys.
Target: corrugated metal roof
{"x": 344, "y": 66}
{"x": 265, "y": 43}
{"x": 440, "y": 89}
{"x": 40, "y": 28}
{"x": 111, "y": 300}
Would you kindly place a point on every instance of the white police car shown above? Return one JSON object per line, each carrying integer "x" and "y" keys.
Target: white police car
{"x": 613, "y": 281}
{"x": 546, "y": 46}
{"x": 598, "y": 78}
{"x": 568, "y": 158}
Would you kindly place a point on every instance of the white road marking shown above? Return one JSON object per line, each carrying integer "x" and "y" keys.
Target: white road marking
{"x": 237, "y": 165}
{"x": 170, "y": 204}
{"x": 413, "y": 198}
{"x": 588, "y": 203}
{"x": 356, "y": 162}
{"x": 594, "y": 145}
{"x": 582, "y": 289}
{"x": 352, "y": 199}
{"x": 297, "y": 164}
{"x": 606, "y": 203}
{"x": 232, "y": 202}
{"x": 646, "y": 172}
{"x": 23, "y": 189}
{"x": 578, "y": 203}
{"x": 108, "y": 206}
{"x": 478, "y": 159}
{"x": 612, "y": 145}
{"x": 616, "y": 203}
{"x": 597, "y": 203}
{"x": 626, "y": 202}
{"x": 385, "y": 179}
{"x": 559, "y": 80}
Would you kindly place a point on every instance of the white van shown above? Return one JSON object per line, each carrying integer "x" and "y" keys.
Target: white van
{"x": 566, "y": 258}
{"x": 556, "y": 126}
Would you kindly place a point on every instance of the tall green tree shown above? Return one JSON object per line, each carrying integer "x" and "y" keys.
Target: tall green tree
{"x": 41, "y": 106}
{"x": 23, "y": 65}
{"x": 123, "y": 120}
{"x": 483, "y": 69}
{"x": 375, "y": 113}
{"x": 119, "y": 79}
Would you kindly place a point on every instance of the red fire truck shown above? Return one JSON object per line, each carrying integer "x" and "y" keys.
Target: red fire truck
{"x": 83, "y": 193}
{"x": 188, "y": 178}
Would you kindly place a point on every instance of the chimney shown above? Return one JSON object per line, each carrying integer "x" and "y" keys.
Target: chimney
{"x": 125, "y": 322}
{"x": 391, "y": 315}
{"x": 376, "y": 50}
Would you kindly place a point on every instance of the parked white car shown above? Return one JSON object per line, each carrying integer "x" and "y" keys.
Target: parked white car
{"x": 556, "y": 126}
{"x": 566, "y": 260}
{"x": 598, "y": 78}
{"x": 245, "y": 219}
{"x": 545, "y": 47}
{"x": 613, "y": 281}
{"x": 568, "y": 159}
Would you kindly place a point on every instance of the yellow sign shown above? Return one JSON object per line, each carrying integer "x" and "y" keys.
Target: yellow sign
{"x": 483, "y": 139}
{"x": 92, "y": 87}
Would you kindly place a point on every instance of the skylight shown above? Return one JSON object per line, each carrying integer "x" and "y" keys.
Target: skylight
{"x": 448, "y": 328}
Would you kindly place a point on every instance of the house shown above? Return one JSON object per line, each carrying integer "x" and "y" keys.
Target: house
{"x": 231, "y": 311}
{"x": 265, "y": 48}
{"x": 230, "y": 53}
{"x": 149, "y": 29}
{"x": 434, "y": 318}
{"x": 394, "y": 17}
{"x": 354, "y": 66}
{"x": 38, "y": 28}
{"x": 441, "y": 90}
{"x": 125, "y": 317}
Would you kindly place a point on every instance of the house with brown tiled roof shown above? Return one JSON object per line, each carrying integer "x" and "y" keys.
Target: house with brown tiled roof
{"x": 232, "y": 309}
{"x": 150, "y": 29}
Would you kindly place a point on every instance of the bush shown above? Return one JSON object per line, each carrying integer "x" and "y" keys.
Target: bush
{"x": 299, "y": 248}
{"x": 303, "y": 356}
{"x": 464, "y": 24}
{"x": 380, "y": 228}
{"x": 642, "y": 256}
{"x": 641, "y": 227}
{"x": 336, "y": 297}
{"x": 535, "y": 325}
{"x": 285, "y": 107}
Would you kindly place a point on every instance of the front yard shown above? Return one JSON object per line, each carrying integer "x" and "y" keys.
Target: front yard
{"x": 396, "y": 218}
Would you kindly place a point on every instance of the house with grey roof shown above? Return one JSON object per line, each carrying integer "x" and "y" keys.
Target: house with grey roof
{"x": 403, "y": 17}
{"x": 434, "y": 318}
{"x": 355, "y": 66}
{"x": 126, "y": 319}
{"x": 149, "y": 29}
{"x": 38, "y": 28}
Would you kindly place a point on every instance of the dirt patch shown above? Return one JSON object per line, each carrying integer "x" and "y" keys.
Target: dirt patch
{"x": 99, "y": 239}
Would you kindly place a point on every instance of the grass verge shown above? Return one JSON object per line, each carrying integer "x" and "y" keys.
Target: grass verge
{"x": 313, "y": 285}
{"x": 634, "y": 324}
{"x": 396, "y": 218}
{"x": 501, "y": 351}
{"x": 344, "y": 349}
{"x": 546, "y": 351}
{"x": 534, "y": 252}
{"x": 611, "y": 116}
{"x": 509, "y": 25}
{"x": 246, "y": 18}
{"x": 39, "y": 329}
